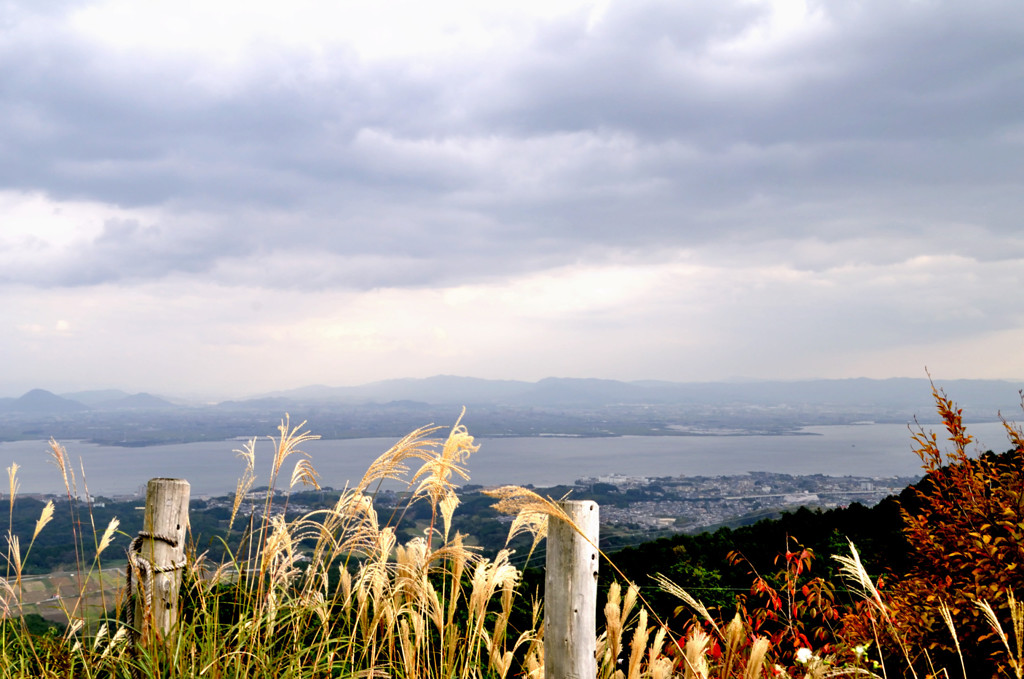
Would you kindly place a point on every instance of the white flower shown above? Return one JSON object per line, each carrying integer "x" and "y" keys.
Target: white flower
{"x": 803, "y": 655}
{"x": 860, "y": 651}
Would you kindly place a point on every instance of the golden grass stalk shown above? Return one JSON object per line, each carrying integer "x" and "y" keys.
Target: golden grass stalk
{"x": 695, "y": 654}
{"x": 531, "y": 513}
{"x": 733, "y": 640}
{"x": 278, "y": 557}
{"x": 248, "y": 477}
{"x": 436, "y": 474}
{"x": 448, "y": 505}
{"x": 60, "y": 458}
{"x": 755, "y": 662}
{"x": 305, "y": 474}
{"x": 409, "y": 655}
{"x": 13, "y": 483}
{"x": 852, "y": 568}
{"x": 535, "y": 661}
{"x": 947, "y": 617}
{"x": 8, "y": 598}
{"x": 680, "y": 593}
{"x": 44, "y": 518}
{"x": 1014, "y": 655}
{"x": 14, "y": 554}
{"x": 617, "y": 611}
{"x": 117, "y": 642}
{"x": 629, "y": 602}
{"x": 609, "y": 647}
{"x": 654, "y": 654}
{"x": 638, "y": 646}
{"x": 108, "y": 535}
{"x": 73, "y": 628}
{"x": 661, "y": 668}
{"x": 392, "y": 464}
{"x": 287, "y": 444}
{"x": 100, "y": 636}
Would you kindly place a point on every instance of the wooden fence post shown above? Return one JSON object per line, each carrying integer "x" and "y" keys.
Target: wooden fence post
{"x": 157, "y": 557}
{"x": 570, "y": 593}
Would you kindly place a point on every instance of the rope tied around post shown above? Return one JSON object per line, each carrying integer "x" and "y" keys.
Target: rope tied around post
{"x": 141, "y": 570}
{"x": 156, "y": 558}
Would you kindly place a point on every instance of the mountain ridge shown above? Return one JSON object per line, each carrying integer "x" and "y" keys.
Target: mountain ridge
{"x": 976, "y": 396}
{"x": 988, "y": 395}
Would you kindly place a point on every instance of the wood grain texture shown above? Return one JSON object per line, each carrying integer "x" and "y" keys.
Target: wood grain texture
{"x": 570, "y": 593}
{"x": 166, "y": 515}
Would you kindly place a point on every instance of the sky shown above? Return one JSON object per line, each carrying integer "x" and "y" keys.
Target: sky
{"x": 228, "y": 198}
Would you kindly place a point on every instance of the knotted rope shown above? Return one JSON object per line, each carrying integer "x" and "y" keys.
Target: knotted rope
{"x": 140, "y": 570}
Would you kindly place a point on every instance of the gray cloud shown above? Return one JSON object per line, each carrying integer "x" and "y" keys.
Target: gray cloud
{"x": 643, "y": 132}
{"x": 873, "y": 71}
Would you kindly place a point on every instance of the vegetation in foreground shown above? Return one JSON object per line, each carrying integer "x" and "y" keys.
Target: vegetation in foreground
{"x": 333, "y": 593}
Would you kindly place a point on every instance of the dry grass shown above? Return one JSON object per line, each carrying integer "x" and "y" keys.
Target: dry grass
{"x": 330, "y": 593}
{"x": 333, "y": 594}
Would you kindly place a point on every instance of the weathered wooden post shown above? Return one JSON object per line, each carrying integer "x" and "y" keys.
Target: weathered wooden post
{"x": 570, "y": 593}
{"x": 157, "y": 557}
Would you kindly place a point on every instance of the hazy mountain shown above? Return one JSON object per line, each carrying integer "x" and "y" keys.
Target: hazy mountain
{"x": 556, "y": 391}
{"x": 272, "y": 403}
{"x": 440, "y": 389}
{"x": 897, "y": 397}
{"x": 978, "y": 397}
{"x": 570, "y": 406}
{"x": 93, "y": 397}
{"x": 42, "y": 402}
{"x": 313, "y": 392}
{"x": 142, "y": 401}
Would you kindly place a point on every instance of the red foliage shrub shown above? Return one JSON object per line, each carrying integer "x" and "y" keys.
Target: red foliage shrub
{"x": 789, "y": 607}
{"x": 965, "y": 526}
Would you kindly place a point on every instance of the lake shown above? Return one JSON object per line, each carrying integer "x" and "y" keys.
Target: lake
{"x": 880, "y": 450}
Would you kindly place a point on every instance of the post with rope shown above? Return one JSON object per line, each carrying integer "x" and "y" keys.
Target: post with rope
{"x": 570, "y": 593}
{"x": 156, "y": 559}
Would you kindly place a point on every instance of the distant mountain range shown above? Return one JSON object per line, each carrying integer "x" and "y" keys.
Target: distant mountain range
{"x": 42, "y": 402}
{"x": 979, "y": 397}
{"x": 897, "y": 393}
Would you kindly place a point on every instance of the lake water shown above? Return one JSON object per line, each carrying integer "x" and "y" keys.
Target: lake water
{"x": 860, "y": 450}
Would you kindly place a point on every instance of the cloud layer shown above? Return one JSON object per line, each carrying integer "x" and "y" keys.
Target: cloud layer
{"x": 624, "y": 189}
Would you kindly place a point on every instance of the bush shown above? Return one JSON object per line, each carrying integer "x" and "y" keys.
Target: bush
{"x": 964, "y": 523}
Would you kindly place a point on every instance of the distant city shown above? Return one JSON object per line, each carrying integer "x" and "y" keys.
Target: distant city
{"x": 695, "y": 504}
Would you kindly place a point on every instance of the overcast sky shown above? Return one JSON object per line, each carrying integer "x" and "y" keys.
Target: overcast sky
{"x": 231, "y": 197}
